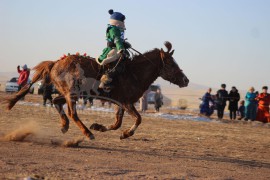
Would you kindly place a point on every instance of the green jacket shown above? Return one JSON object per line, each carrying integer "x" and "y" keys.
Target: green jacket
{"x": 116, "y": 35}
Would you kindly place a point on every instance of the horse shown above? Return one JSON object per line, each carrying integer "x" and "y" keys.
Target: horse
{"x": 73, "y": 72}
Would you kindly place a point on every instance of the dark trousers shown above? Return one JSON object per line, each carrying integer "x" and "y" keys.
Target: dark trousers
{"x": 45, "y": 101}
{"x": 47, "y": 96}
{"x": 19, "y": 88}
{"x": 220, "y": 110}
{"x": 233, "y": 114}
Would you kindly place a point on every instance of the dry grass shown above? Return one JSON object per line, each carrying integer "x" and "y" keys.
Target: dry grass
{"x": 162, "y": 149}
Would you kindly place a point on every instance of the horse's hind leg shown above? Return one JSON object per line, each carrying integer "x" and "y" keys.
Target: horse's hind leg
{"x": 138, "y": 119}
{"x": 58, "y": 103}
{"x": 74, "y": 116}
{"x": 119, "y": 113}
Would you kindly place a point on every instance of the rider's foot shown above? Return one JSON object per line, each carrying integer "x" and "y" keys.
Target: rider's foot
{"x": 105, "y": 83}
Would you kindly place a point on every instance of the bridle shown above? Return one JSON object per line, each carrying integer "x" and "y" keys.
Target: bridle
{"x": 163, "y": 69}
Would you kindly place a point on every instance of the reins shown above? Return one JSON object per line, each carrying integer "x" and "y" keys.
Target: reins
{"x": 159, "y": 69}
{"x": 142, "y": 55}
{"x": 120, "y": 59}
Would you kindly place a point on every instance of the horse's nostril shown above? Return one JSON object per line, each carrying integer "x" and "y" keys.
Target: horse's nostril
{"x": 185, "y": 79}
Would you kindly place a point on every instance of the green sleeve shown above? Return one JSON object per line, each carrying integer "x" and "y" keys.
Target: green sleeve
{"x": 115, "y": 35}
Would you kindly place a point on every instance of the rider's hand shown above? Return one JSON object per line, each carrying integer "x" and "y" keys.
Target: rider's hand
{"x": 120, "y": 51}
{"x": 18, "y": 67}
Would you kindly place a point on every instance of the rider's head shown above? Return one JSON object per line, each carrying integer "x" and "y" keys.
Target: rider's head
{"x": 117, "y": 19}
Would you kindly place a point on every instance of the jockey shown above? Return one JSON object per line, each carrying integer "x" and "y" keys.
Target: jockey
{"x": 115, "y": 44}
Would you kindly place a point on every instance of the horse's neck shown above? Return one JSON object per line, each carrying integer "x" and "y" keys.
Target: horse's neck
{"x": 146, "y": 72}
{"x": 95, "y": 67}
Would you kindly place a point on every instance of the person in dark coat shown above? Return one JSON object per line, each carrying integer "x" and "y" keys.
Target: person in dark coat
{"x": 158, "y": 100}
{"x": 233, "y": 98}
{"x": 205, "y": 108}
{"x": 241, "y": 110}
{"x": 222, "y": 97}
{"x": 47, "y": 91}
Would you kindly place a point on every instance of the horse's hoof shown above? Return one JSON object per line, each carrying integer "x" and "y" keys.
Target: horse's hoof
{"x": 126, "y": 134}
{"x": 98, "y": 127}
{"x": 123, "y": 136}
{"x": 91, "y": 137}
{"x": 64, "y": 130}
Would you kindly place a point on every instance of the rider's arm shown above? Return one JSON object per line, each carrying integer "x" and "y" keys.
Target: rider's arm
{"x": 115, "y": 34}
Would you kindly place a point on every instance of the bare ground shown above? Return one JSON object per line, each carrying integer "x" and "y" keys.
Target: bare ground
{"x": 160, "y": 148}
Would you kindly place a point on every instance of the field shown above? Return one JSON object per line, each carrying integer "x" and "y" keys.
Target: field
{"x": 32, "y": 145}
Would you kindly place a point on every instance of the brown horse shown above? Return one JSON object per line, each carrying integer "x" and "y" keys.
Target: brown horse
{"x": 71, "y": 74}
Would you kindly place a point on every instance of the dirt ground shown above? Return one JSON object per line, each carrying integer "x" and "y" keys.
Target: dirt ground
{"x": 160, "y": 148}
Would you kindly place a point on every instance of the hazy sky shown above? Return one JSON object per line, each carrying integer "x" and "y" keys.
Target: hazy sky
{"x": 215, "y": 41}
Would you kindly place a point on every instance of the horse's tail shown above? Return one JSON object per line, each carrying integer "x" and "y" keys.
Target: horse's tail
{"x": 42, "y": 70}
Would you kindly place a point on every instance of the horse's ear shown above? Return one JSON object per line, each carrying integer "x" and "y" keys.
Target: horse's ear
{"x": 171, "y": 53}
{"x": 162, "y": 54}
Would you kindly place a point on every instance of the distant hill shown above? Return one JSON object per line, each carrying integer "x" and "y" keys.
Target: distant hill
{"x": 167, "y": 84}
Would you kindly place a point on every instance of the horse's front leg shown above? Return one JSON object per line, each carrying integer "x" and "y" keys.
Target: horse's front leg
{"x": 138, "y": 119}
{"x": 119, "y": 113}
{"x": 71, "y": 102}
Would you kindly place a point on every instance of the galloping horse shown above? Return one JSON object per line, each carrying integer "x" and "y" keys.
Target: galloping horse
{"x": 73, "y": 72}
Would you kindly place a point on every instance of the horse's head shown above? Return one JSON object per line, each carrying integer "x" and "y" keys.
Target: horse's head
{"x": 170, "y": 70}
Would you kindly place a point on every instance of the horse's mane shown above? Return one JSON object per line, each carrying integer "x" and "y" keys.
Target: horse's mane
{"x": 139, "y": 58}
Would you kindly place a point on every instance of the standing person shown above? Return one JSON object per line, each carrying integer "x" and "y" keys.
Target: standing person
{"x": 233, "y": 98}
{"x": 250, "y": 105}
{"x": 263, "y": 108}
{"x": 241, "y": 110}
{"x": 205, "y": 105}
{"x": 222, "y": 96}
{"x": 143, "y": 101}
{"x": 158, "y": 100}
{"x": 47, "y": 91}
{"x": 23, "y": 77}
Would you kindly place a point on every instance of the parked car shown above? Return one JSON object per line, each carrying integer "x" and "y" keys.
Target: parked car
{"x": 12, "y": 85}
{"x": 151, "y": 95}
{"x": 40, "y": 89}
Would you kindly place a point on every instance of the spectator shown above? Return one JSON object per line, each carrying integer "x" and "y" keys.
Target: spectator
{"x": 158, "y": 100}
{"x": 143, "y": 101}
{"x": 23, "y": 77}
{"x": 250, "y": 105}
{"x": 263, "y": 108}
{"x": 205, "y": 108}
{"x": 47, "y": 91}
{"x": 257, "y": 102}
{"x": 241, "y": 110}
{"x": 233, "y": 98}
{"x": 222, "y": 97}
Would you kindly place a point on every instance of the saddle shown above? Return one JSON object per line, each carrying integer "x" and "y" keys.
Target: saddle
{"x": 113, "y": 65}
{"x": 114, "y": 56}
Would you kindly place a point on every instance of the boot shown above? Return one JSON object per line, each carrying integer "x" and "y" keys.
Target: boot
{"x": 105, "y": 83}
